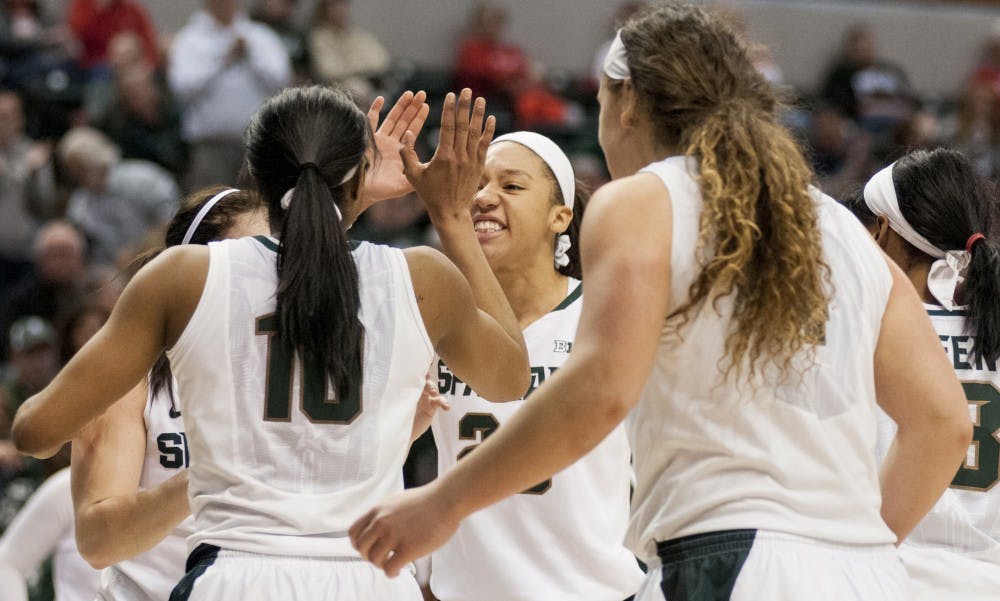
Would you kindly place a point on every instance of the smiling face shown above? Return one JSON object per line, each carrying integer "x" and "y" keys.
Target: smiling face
{"x": 514, "y": 214}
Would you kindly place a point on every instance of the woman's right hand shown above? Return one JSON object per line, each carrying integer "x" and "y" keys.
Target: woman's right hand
{"x": 448, "y": 182}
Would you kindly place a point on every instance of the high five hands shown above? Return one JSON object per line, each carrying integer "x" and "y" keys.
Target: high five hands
{"x": 450, "y": 179}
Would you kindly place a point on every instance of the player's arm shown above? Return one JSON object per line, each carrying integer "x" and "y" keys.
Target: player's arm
{"x": 626, "y": 256}
{"x": 471, "y": 341}
{"x": 114, "y": 519}
{"x": 151, "y": 313}
{"x": 916, "y": 387}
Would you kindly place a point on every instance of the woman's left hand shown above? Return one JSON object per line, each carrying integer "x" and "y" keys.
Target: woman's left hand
{"x": 385, "y": 178}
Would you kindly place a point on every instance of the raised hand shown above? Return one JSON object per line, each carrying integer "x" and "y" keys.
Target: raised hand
{"x": 449, "y": 181}
{"x": 385, "y": 178}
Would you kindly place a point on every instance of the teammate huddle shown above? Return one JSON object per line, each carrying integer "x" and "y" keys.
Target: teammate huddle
{"x": 743, "y": 325}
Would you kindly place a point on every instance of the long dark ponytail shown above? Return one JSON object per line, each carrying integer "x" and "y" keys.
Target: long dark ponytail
{"x": 941, "y": 197}
{"x": 308, "y": 140}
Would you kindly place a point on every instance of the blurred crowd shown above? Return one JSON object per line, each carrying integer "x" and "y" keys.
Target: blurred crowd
{"x": 106, "y": 121}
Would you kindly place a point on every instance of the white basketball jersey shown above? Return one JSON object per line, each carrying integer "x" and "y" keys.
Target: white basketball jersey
{"x": 788, "y": 455}
{"x": 559, "y": 540}
{"x": 153, "y": 574}
{"x": 966, "y": 519}
{"x": 277, "y": 466}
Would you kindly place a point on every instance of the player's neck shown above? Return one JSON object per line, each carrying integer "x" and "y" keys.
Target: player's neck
{"x": 918, "y": 272}
{"x": 532, "y": 292}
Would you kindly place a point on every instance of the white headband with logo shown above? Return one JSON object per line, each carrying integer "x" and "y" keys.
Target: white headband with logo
{"x": 558, "y": 162}
{"x": 615, "y": 62}
{"x": 946, "y": 272}
{"x": 203, "y": 212}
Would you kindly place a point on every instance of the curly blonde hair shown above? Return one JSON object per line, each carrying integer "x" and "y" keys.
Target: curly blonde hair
{"x": 758, "y": 235}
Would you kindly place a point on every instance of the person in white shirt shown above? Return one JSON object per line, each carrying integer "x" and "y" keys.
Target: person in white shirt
{"x": 222, "y": 67}
{"x": 746, "y": 326}
{"x": 44, "y": 527}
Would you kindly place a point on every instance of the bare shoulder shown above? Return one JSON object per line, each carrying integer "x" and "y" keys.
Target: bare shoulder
{"x": 430, "y": 266}
{"x": 637, "y": 207}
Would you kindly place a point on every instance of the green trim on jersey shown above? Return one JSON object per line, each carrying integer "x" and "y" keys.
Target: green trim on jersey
{"x": 570, "y": 298}
{"x": 267, "y": 242}
{"x": 946, "y": 313}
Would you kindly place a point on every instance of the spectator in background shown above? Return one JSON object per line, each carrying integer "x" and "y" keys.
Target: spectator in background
{"x": 400, "y": 222}
{"x": 222, "y": 67}
{"x": 57, "y": 282}
{"x": 841, "y": 154}
{"x": 279, "y": 15}
{"x": 124, "y": 54}
{"x": 486, "y": 63}
{"x": 343, "y": 53}
{"x": 78, "y": 325}
{"x": 977, "y": 129}
{"x": 114, "y": 202}
{"x": 27, "y": 190}
{"x": 987, "y": 72}
{"x": 144, "y": 120}
{"x": 96, "y": 22}
{"x": 34, "y": 360}
{"x": 872, "y": 91}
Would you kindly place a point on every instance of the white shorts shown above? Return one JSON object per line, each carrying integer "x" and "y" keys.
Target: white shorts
{"x": 749, "y": 565}
{"x": 232, "y": 575}
{"x": 942, "y": 574}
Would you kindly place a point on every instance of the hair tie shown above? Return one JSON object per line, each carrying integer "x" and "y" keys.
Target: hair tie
{"x": 203, "y": 212}
{"x": 971, "y": 242}
{"x": 308, "y": 165}
{"x": 286, "y": 199}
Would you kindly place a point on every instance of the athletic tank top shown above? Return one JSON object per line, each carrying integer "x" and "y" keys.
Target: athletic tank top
{"x": 791, "y": 455}
{"x": 153, "y": 574}
{"x": 966, "y": 519}
{"x": 276, "y": 466}
{"x": 559, "y": 540}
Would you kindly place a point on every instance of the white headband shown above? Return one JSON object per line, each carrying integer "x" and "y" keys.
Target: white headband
{"x": 551, "y": 155}
{"x": 205, "y": 208}
{"x": 286, "y": 198}
{"x": 615, "y": 62}
{"x": 946, "y": 272}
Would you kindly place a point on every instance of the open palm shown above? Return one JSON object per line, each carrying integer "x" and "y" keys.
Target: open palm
{"x": 385, "y": 179}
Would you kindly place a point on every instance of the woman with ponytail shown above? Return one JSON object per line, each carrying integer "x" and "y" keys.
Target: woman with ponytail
{"x": 299, "y": 357}
{"x": 746, "y": 326}
{"x": 931, "y": 214}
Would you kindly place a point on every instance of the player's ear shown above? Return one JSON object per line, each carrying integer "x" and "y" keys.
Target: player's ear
{"x": 881, "y": 232}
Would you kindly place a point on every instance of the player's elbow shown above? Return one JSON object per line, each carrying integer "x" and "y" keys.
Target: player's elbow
{"x": 94, "y": 547}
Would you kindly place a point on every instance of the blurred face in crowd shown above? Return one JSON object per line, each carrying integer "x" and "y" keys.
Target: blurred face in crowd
{"x": 490, "y": 21}
{"x": 829, "y": 131}
{"x": 278, "y": 10}
{"x": 35, "y": 366}
{"x": 59, "y": 254}
{"x": 139, "y": 94}
{"x": 862, "y": 49}
{"x": 224, "y": 11}
{"x": 11, "y": 119}
{"x": 337, "y": 12}
{"x": 125, "y": 51}
{"x": 86, "y": 326}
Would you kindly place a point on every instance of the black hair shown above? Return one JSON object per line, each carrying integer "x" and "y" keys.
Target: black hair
{"x": 855, "y": 203}
{"x": 307, "y": 139}
{"x": 944, "y": 200}
{"x": 213, "y": 227}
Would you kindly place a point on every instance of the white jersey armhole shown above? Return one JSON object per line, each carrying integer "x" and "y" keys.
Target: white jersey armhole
{"x": 205, "y": 319}
{"x": 403, "y": 266}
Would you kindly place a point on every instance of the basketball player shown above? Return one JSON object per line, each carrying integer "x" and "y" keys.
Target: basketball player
{"x": 931, "y": 215}
{"x": 527, "y": 216}
{"x": 130, "y": 464}
{"x": 745, "y": 324}
{"x": 299, "y": 360}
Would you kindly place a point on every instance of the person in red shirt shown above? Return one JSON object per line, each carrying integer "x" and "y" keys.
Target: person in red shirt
{"x": 96, "y": 22}
{"x": 491, "y": 67}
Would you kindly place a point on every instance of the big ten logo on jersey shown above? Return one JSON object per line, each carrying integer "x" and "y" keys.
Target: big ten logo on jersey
{"x": 562, "y": 346}
{"x": 448, "y": 383}
{"x": 173, "y": 449}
